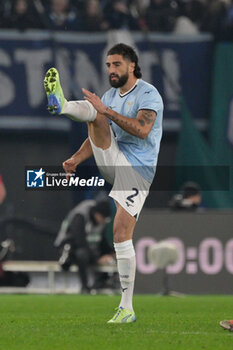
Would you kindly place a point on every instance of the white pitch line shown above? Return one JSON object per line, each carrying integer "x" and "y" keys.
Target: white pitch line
{"x": 190, "y": 333}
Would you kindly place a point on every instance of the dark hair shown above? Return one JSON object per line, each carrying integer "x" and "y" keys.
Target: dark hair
{"x": 127, "y": 52}
{"x": 190, "y": 189}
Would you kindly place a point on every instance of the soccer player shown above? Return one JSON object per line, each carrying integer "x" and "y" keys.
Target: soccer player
{"x": 124, "y": 133}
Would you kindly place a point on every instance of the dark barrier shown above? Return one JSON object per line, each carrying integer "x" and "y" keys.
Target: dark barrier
{"x": 205, "y": 243}
{"x": 204, "y": 240}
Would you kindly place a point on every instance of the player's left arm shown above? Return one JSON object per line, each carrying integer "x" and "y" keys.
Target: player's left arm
{"x": 139, "y": 126}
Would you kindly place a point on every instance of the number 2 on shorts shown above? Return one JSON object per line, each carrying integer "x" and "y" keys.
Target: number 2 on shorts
{"x": 130, "y": 198}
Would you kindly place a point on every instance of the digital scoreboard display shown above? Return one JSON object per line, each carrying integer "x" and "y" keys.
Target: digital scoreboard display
{"x": 205, "y": 251}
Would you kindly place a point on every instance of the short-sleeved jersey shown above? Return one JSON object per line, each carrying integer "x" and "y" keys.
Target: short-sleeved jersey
{"x": 141, "y": 153}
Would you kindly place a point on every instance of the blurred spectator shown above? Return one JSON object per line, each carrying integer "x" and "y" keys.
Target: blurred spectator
{"x": 5, "y": 207}
{"x": 5, "y": 11}
{"x": 119, "y": 16}
{"x": 138, "y": 9}
{"x": 78, "y": 4}
{"x": 93, "y": 17}
{"x": 2, "y": 197}
{"x": 188, "y": 199}
{"x": 82, "y": 238}
{"x": 190, "y": 16}
{"x": 177, "y": 16}
{"x": 185, "y": 26}
{"x": 63, "y": 16}
{"x": 193, "y": 9}
{"x": 2, "y": 190}
{"x": 213, "y": 18}
{"x": 140, "y": 6}
{"x": 21, "y": 15}
{"x": 161, "y": 15}
{"x": 228, "y": 23}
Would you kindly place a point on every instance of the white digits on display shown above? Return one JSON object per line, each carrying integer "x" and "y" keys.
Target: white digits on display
{"x": 229, "y": 256}
{"x": 209, "y": 258}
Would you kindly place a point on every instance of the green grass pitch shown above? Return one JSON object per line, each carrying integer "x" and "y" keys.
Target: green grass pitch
{"x": 73, "y": 322}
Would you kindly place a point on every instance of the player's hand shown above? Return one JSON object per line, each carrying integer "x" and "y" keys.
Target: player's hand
{"x": 69, "y": 166}
{"x": 95, "y": 101}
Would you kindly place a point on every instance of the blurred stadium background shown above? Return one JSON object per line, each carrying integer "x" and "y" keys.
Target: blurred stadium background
{"x": 185, "y": 49}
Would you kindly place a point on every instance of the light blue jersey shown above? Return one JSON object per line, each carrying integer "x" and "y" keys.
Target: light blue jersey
{"x": 142, "y": 154}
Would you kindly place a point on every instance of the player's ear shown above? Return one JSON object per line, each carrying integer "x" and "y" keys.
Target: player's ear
{"x": 132, "y": 67}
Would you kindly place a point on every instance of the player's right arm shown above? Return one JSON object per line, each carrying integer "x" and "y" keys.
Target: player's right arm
{"x": 83, "y": 153}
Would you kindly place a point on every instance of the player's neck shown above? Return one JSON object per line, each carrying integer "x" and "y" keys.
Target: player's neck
{"x": 129, "y": 85}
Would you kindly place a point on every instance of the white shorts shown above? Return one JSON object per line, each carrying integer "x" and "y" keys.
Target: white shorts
{"x": 129, "y": 188}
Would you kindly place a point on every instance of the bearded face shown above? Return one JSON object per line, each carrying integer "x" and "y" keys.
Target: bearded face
{"x": 118, "y": 81}
{"x": 119, "y": 69}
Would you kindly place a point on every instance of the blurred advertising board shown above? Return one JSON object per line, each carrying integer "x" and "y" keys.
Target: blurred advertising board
{"x": 174, "y": 64}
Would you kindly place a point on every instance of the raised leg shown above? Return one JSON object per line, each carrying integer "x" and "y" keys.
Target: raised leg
{"x": 80, "y": 111}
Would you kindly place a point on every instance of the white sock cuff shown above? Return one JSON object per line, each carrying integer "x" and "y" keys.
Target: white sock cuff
{"x": 124, "y": 250}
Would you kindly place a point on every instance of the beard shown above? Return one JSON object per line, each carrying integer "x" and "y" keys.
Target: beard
{"x": 120, "y": 82}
